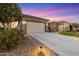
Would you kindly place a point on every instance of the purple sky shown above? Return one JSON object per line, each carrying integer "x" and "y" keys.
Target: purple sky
{"x": 52, "y": 11}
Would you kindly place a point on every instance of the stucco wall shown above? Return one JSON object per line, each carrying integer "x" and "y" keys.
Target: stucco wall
{"x": 60, "y": 28}
{"x": 63, "y": 27}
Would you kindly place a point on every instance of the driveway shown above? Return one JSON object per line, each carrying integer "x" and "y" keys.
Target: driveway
{"x": 62, "y": 45}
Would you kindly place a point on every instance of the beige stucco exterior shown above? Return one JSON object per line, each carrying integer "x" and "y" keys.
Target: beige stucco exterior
{"x": 32, "y": 24}
{"x": 59, "y": 26}
{"x": 63, "y": 27}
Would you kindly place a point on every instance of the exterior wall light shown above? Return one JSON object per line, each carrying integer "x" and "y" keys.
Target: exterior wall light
{"x": 23, "y": 22}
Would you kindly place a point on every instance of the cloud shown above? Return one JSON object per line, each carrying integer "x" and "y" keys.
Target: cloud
{"x": 72, "y": 18}
{"x": 56, "y": 14}
{"x": 51, "y": 11}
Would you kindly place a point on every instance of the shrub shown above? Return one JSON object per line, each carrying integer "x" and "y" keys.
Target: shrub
{"x": 10, "y": 39}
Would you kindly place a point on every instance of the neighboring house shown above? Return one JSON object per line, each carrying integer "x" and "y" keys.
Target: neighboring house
{"x": 75, "y": 27}
{"x": 63, "y": 26}
{"x": 59, "y": 26}
{"x": 53, "y": 26}
{"x": 32, "y": 24}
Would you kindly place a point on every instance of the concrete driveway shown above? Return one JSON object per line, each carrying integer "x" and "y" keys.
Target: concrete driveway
{"x": 62, "y": 45}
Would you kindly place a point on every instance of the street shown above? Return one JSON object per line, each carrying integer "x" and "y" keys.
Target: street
{"x": 62, "y": 45}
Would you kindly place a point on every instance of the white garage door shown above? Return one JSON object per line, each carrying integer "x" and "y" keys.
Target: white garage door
{"x": 35, "y": 27}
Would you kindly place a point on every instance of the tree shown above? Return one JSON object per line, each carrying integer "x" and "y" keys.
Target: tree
{"x": 9, "y": 12}
{"x": 75, "y": 25}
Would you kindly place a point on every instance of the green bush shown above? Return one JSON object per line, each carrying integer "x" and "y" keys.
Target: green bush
{"x": 10, "y": 39}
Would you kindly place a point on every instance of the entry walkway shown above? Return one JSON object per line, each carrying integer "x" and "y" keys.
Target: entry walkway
{"x": 62, "y": 45}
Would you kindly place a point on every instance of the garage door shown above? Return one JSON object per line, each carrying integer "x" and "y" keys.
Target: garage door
{"x": 35, "y": 27}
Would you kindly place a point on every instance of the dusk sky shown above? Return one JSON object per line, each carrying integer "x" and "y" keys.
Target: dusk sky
{"x": 52, "y": 11}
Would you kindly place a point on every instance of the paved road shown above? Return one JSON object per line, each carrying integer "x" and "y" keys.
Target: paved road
{"x": 62, "y": 45}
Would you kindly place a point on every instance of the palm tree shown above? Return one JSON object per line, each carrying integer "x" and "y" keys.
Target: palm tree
{"x": 10, "y": 12}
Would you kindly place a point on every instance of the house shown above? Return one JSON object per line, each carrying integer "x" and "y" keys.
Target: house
{"x": 53, "y": 26}
{"x": 59, "y": 26}
{"x": 32, "y": 24}
{"x": 63, "y": 26}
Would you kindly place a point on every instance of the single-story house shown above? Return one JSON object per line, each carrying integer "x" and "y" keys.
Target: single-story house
{"x": 32, "y": 24}
{"x": 53, "y": 26}
{"x": 58, "y": 26}
{"x": 63, "y": 26}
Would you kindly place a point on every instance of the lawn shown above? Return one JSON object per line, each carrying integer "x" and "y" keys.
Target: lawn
{"x": 69, "y": 34}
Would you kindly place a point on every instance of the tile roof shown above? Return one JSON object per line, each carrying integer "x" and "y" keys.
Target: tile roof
{"x": 34, "y": 18}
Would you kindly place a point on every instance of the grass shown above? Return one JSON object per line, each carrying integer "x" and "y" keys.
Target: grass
{"x": 69, "y": 34}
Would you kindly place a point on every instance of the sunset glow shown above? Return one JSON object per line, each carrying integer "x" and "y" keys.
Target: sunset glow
{"x": 52, "y": 11}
